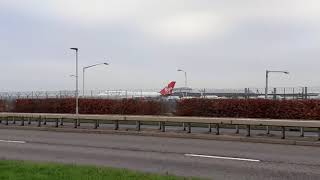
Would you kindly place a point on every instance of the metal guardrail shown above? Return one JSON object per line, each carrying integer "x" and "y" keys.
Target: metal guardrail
{"x": 162, "y": 120}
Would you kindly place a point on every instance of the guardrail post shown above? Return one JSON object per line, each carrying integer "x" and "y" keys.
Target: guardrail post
{"x": 7, "y": 121}
{"x": 184, "y": 126}
{"x": 217, "y": 129}
{"x": 22, "y": 121}
{"x": 75, "y": 123}
{"x": 163, "y": 126}
{"x": 189, "y": 127}
{"x": 283, "y": 129}
{"x": 210, "y": 128}
{"x": 302, "y": 131}
{"x": 248, "y": 130}
{"x": 39, "y": 121}
{"x": 13, "y": 120}
{"x": 138, "y": 125}
{"x": 95, "y": 124}
{"x": 268, "y": 129}
{"x": 29, "y": 120}
{"x": 116, "y": 125}
{"x": 237, "y": 129}
{"x": 61, "y": 121}
{"x": 57, "y": 123}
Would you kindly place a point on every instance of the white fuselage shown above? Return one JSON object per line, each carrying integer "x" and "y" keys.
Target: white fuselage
{"x": 129, "y": 94}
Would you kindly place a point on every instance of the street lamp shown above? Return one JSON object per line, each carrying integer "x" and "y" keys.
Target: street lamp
{"x": 185, "y": 77}
{"x": 77, "y": 82}
{"x": 185, "y": 80}
{"x": 83, "y": 72}
{"x": 267, "y": 77}
{"x": 186, "y": 85}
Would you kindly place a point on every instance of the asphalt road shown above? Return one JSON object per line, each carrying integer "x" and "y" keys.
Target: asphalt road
{"x": 186, "y": 157}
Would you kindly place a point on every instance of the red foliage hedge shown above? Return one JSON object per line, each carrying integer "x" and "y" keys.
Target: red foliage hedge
{"x": 253, "y": 108}
{"x": 2, "y": 106}
{"x": 88, "y": 106}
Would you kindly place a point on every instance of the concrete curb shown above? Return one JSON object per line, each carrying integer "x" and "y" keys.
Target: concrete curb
{"x": 172, "y": 135}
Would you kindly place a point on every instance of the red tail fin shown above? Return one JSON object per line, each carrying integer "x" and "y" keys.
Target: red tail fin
{"x": 168, "y": 90}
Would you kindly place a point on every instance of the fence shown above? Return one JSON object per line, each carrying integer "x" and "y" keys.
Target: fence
{"x": 273, "y": 93}
{"x": 37, "y": 94}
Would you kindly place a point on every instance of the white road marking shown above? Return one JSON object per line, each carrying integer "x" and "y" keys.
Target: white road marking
{"x": 8, "y": 141}
{"x": 221, "y": 157}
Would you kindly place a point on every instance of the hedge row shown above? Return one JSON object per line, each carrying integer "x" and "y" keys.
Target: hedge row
{"x": 2, "y": 106}
{"x": 89, "y": 106}
{"x": 284, "y": 109}
{"x": 253, "y": 108}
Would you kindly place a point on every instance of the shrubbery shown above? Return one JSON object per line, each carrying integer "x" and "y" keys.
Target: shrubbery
{"x": 89, "y": 106}
{"x": 2, "y": 106}
{"x": 125, "y": 106}
{"x": 253, "y": 108}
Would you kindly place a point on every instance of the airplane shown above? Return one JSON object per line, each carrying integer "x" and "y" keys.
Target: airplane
{"x": 210, "y": 97}
{"x": 165, "y": 92}
{"x": 203, "y": 97}
{"x": 269, "y": 97}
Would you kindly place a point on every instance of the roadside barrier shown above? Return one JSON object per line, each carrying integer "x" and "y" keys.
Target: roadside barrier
{"x": 161, "y": 121}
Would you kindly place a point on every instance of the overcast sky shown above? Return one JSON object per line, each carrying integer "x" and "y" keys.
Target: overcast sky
{"x": 220, "y": 43}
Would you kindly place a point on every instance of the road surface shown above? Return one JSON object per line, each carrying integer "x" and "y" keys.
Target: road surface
{"x": 186, "y": 157}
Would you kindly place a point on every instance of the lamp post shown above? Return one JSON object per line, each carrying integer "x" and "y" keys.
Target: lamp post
{"x": 185, "y": 77}
{"x": 267, "y": 80}
{"x": 83, "y": 73}
{"x": 186, "y": 85}
{"x": 266, "y": 90}
{"x": 77, "y": 81}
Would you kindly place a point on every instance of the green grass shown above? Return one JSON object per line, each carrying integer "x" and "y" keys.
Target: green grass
{"x": 22, "y": 170}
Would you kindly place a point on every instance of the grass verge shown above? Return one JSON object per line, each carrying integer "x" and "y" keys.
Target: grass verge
{"x": 22, "y": 170}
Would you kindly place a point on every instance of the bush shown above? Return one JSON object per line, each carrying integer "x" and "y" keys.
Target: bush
{"x": 2, "y": 106}
{"x": 252, "y": 108}
{"x": 89, "y": 106}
